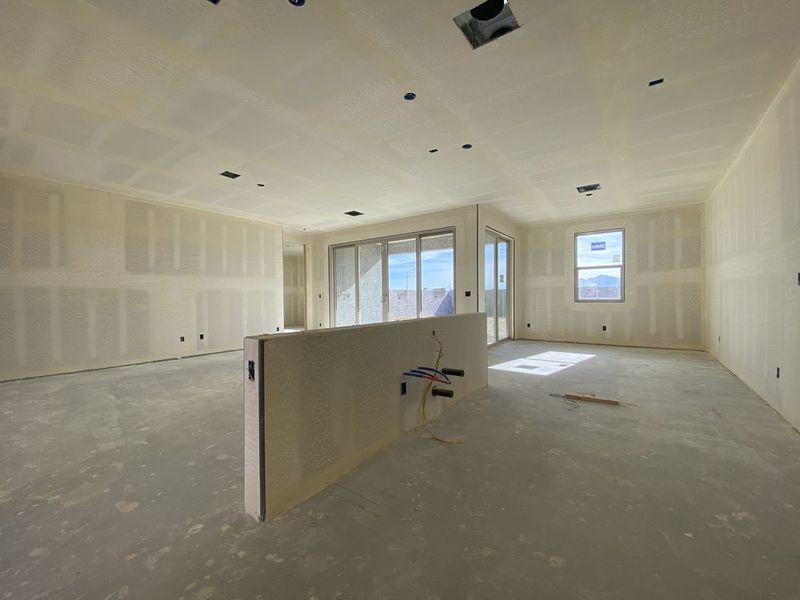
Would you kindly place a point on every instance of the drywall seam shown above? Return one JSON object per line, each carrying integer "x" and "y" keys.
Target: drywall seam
{"x": 664, "y": 283}
{"x": 92, "y": 280}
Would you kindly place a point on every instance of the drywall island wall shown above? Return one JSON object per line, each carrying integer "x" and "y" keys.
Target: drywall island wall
{"x": 664, "y": 283}
{"x": 753, "y": 249}
{"x": 320, "y": 402}
{"x": 93, "y": 279}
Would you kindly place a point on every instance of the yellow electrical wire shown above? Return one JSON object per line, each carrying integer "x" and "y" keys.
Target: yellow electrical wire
{"x": 423, "y": 416}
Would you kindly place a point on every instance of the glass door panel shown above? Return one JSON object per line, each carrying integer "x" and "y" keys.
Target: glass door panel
{"x": 437, "y": 262}
{"x": 370, "y": 283}
{"x": 490, "y": 288}
{"x": 502, "y": 288}
{"x": 344, "y": 267}
{"x": 402, "y": 279}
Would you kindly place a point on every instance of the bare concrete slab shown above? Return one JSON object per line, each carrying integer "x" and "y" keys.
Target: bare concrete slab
{"x": 127, "y": 484}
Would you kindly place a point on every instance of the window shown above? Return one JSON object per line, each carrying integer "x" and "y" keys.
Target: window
{"x": 600, "y": 266}
{"x": 390, "y": 279}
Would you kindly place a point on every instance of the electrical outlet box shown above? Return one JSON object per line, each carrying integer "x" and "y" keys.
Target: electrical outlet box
{"x": 777, "y": 372}
{"x": 605, "y": 328}
{"x": 202, "y": 336}
{"x": 403, "y": 388}
{"x": 529, "y": 325}
{"x": 468, "y": 293}
{"x": 183, "y": 339}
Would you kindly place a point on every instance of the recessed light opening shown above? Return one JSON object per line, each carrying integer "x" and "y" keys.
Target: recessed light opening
{"x": 353, "y": 213}
{"x": 467, "y": 146}
{"x": 230, "y": 174}
{"x": 260, "y": 184}
{"x": 410, "y": 96}
{"x": 656, "y": 82}
{"x": 592, "y": 187}
{"x": 433, "y": 150}
{"x": 486, "y": 22}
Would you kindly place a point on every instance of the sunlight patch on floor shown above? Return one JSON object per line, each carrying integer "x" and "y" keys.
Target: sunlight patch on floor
{"x": 543, "y": 364}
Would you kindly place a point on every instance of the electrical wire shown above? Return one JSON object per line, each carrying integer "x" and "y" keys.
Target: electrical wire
{"x": 423, "y": 416}
{"x": 425, "y": 377}
{"x": 441, "y": 374}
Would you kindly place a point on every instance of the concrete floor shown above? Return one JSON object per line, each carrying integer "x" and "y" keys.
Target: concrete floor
{"x": 127, "y": 483}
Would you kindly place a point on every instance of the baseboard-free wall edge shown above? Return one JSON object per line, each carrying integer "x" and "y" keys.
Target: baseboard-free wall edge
{"x": 795, "y": 427}
{"x": 615, "y": 344}
{"x": 120, "y": 366}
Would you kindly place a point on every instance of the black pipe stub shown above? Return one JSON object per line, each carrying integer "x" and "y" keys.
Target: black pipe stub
{"x": 442, "y": 392}
{"x": 453, "y": 372}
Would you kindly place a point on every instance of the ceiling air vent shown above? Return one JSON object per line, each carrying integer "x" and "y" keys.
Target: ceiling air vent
{"x": 354, "y": 213}
{"x": 487, "y": 22}
{"x": 593, "y": 187}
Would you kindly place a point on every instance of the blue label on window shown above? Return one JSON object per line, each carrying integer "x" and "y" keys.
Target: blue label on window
{"x": 598, "y": 245}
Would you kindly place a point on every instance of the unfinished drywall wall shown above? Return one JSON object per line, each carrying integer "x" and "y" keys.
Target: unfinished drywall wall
{"x": 91, "y": 279}
{"x": 294, "y": 287}
{"x": 462, "y": 220}
{"x": 664, "y": 283}
{"x": 325, "y": 411}
{"x": 753, "y": 249}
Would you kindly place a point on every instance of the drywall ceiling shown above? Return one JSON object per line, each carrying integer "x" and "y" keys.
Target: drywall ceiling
{"x": 155, "y": 99}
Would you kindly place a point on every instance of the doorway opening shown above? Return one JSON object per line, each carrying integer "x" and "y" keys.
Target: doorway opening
{"x": 294, "y": 286}
{"x": 498, "y": 286}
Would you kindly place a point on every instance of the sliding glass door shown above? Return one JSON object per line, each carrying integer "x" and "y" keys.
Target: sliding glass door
{"x": 497, "y": 276}
{"x": 402, "y": 263}
{"x": 344, "y": 269}
{"x": 390, "y": 279}
{"x": 437, "y": 276}
{"x": 370, "y": 283}
{"x": 491, "y": 287}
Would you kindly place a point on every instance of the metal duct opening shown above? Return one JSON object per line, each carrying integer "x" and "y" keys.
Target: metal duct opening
{"x": 486, "y": 22}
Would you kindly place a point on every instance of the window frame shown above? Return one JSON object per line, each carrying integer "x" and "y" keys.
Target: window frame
{"x": 417, "y": 236}
{"x": 620, "y": 266}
